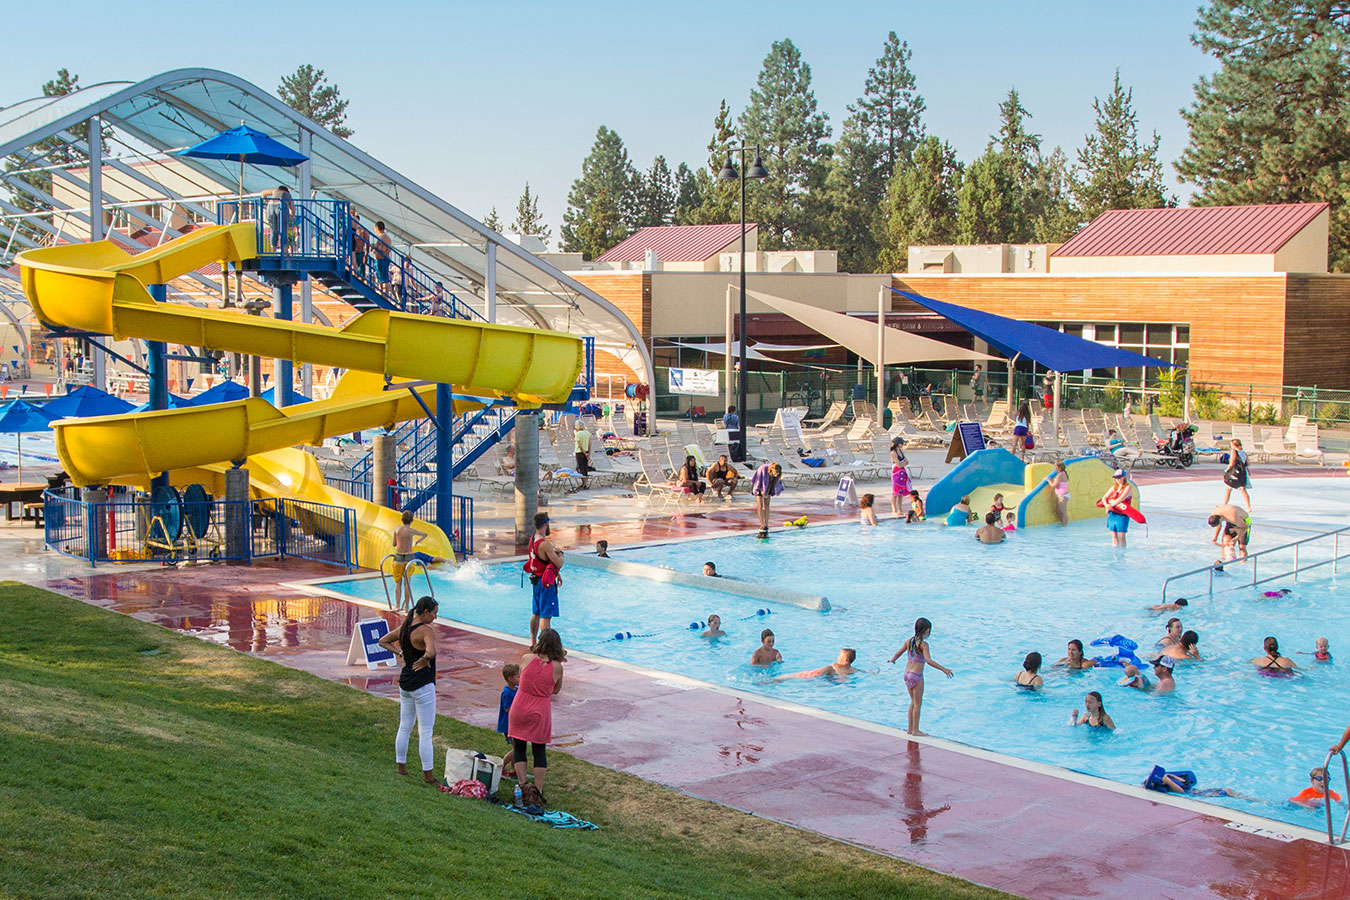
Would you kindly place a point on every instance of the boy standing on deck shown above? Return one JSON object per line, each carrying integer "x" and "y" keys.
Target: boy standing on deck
{"x": 511, "y": 675}
{"x": 405, "y": 536}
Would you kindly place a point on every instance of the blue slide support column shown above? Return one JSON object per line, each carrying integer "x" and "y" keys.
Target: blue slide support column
{"x": 158, "y": 366}
{"x": 445, "y": 411}
{"x": 283, "y": 303}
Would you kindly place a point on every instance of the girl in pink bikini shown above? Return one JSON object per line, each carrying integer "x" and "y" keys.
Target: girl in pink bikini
{"x": 916, "y": 654}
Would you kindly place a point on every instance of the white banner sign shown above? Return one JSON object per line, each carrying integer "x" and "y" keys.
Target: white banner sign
{"x": 699, "y": 382}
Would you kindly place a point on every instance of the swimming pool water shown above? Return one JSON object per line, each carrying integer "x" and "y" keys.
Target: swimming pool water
{"x": 990, "y": 605}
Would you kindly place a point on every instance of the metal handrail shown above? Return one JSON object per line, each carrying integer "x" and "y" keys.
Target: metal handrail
{"x": 407, "y": 573}
{"x": 1345, "y": 770}
{"x": 1336, "y": 557}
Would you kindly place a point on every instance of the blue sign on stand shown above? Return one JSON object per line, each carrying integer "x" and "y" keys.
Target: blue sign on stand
{"x": 365, "y": 646}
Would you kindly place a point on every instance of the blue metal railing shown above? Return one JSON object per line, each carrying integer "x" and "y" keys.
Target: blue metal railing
{"x": 586, "y": 377}
{"x": 320, "y": 235}
{"x": 133, "y": 529}
{"x": 461, "y": 514}
{"x": 357, "y": 487}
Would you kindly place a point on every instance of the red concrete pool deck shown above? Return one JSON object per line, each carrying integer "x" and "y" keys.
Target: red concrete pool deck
{"x": 1022, "y": 831}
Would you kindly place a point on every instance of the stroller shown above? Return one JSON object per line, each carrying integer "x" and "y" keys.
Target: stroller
{"x": 1178, "y": 448}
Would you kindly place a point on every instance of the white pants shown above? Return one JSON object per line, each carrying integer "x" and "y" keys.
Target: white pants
{"x": 416, "y": 706}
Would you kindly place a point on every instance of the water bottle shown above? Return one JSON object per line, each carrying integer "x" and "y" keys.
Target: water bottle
{"x": 517, "y": 795}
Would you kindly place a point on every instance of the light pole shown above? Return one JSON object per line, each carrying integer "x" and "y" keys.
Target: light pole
{"x": 729, "y": 173}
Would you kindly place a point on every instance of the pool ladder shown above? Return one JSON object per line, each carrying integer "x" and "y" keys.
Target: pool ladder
{"x": 1334, "y": 562}
{"x": 1345, "y": 771}
{"x": 407, "y": 573}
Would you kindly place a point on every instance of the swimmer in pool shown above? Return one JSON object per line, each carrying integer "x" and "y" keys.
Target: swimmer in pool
{"x": 1094, "y": 715}
{"x": 916, "y": 505}
{"x": 1282, "y": 592}
{"x": 866, "y": 512}
{"x": 1173, "y": 635}
{"x": 997, "y": 506}
{"x": 840, "y": 668}
{"x": 714, "y": 627}
{"x": 1323, "y": 651}
{"x": 961, "y": 513}
{"x": 1315, "y": 794}
{"x": 1162, "y": 670}
{"x": 990, "y": 532}
{"x": 765, "y": 655}
{"x": 710, "y": 570}
{"x": 1010, "y": 522}
{"x": 1171, "y": 784}
{"x": 1179, "y": 603}
{"x": 1076, "y": 659}
{"x": 1134, "y": 679}
{"x": 1273, "y": 661}
{"x": 1029, "y": 677}
{"x": 1184, "y": 648}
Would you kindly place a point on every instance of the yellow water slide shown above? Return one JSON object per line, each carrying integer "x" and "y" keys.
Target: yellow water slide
{"x": 99, "y": 287}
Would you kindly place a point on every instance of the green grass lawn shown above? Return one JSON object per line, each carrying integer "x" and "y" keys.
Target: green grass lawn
{"x": 138, "y": 762}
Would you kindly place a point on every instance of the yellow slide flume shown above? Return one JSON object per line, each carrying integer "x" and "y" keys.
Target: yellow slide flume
{"x": 100, "y": 288}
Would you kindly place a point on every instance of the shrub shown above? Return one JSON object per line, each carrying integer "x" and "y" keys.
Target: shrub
{"x": 1171, "y": 393}
{"x": 1113, "y": 396}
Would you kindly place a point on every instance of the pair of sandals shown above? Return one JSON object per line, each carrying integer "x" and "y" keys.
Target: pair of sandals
{"x": 531, "y": 796}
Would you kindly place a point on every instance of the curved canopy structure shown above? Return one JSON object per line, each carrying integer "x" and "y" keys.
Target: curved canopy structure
{"x": 142, "y": 123}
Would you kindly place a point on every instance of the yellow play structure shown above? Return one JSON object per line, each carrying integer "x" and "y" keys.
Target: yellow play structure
{"x": 100, "y": 288}
{"x": 997, "y": 471}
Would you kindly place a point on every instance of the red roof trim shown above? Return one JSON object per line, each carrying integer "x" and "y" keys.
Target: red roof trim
{"x": 1194, "y": 231}
{"x": 675, "y": 243}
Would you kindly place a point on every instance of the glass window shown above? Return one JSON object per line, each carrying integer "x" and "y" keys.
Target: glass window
{"x": 1075, "y": 330}
{"x": 1106, "y": 334}
{"x": 1132, "y": 334}
{"x": 1159, "y": 335}
{"x": 1181, "y": 356}
{"x": 1183, "y": 335}
{"x": 1132, "y": 376}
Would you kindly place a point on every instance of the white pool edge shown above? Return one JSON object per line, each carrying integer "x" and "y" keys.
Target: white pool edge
{"x": 1278, "y": 830}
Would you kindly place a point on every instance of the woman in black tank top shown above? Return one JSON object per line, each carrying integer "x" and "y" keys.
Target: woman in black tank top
{"x": 415, "y": 645}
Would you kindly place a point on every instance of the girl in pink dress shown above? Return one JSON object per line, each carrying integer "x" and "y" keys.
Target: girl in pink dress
{"x": 531, "y": 717}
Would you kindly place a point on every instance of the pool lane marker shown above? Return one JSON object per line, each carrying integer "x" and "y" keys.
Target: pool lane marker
{"x": 704, "y": 582}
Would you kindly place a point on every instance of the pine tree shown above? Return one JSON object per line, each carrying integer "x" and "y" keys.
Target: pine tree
{"x": 54, "y": 151}
{"x": 920, "y": 202}
{"x": 717, "y": 199}
{"x": 988, "y": 209}
{"x": 1118, "y": 171}
{"x": 879, "y": 135}
{"x": 528, "y": 221}
{"x": 307, "y": 91}
{"x": 687, "y": 197}
{"x": 493, "y": 221}
{"x": 656, "y": 196}
{"x": 1019, "y": 152}
{"x": 1271, "y": 125}
{"x": 601, "y": 204}
{"x": 783, "y": 120}
{"x": 1058, "y": 216}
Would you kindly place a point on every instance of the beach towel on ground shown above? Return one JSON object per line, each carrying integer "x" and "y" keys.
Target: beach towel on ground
{"x": 555, "y": 819}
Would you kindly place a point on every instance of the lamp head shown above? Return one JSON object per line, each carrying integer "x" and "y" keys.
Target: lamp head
{"x": 757, "y": 169}
{"x": 728, "y": 172}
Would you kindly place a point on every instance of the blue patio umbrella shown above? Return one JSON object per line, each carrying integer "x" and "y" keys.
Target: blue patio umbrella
{"x": 20, "y": 417}
{"x": 270, "y": 395}
{"x": 87, "y": 401}
{"x": 248, "y": 145}
{"x": 221, "y": 393}
{"x": 175, "y": 402}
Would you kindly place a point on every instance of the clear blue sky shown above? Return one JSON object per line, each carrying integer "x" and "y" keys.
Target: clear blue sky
{"x": 472, "y": 100}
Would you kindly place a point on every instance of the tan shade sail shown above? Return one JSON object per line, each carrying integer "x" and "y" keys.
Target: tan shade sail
{"x": 860, "y": 336}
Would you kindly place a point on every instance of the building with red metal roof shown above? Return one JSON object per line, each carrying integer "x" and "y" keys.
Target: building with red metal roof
{"x": 693, "y": 247}
{"x": 1277, "y": 237}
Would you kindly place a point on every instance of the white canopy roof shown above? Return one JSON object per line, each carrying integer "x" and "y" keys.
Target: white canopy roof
{"x": 860, "y": 336}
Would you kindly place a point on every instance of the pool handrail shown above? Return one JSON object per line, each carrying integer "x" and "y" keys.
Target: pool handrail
{"x": 1345, "y": 771}
{"x": 407, "y": 573}
{"x": 1336, "y": 557}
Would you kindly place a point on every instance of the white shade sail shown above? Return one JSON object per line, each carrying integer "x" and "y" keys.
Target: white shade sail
{"x": 860, "y": 336}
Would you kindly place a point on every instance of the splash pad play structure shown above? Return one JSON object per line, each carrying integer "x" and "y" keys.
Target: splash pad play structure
{"x": 985, "y": 473}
